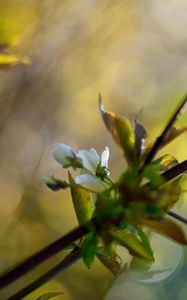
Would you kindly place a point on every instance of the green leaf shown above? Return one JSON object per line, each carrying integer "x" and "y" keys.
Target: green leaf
{"x": 7, "y": 60}
{"x": 165, "y": 162}
{"x": 110, "y": 262}
{"x": 144, "y": 239}
{"x": 49, "y": 296}
{"x": 153, "y": 210}
{"x": 151, "y": 173}
{"x": 122, "y": 132}
{"x": 167, "y": 228}
{"x": 129, "y": 179}
{"x": 55, "y": 184}
{"x": 136, "y": 246}
{"x": 140, "y": 136}
{"x": 140, "y": 264}
{"x": 81, "y": 200}
{"x": 107, "y": 209}
{"x": 89, "y": 249}
{"x": 168, "y": 194}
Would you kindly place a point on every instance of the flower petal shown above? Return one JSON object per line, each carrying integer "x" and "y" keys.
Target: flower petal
{"x": 89, "y": 159}
{"x": 105, "y": 157}
{"x": 85, "y": 178}
{"x": 62, "y": 152}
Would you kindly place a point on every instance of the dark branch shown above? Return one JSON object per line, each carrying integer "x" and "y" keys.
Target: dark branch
{"x": 160, "y": 140}
{"x": 65, "y": 263}
{"x": 175, "y": 171}
{"x": 42, "y": 255}
{"x": 72, "y": 236}
{"x": 177, "y": 217}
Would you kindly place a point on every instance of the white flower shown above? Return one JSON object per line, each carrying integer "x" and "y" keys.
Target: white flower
{"x": 65, "y": 155}
{"x": 104, "y": 158}
{"x": 94, "y": 166}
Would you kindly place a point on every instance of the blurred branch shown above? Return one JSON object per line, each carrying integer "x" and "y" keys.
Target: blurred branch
{"x": 65, "y": 263}
{"x": 160, "y": 140}
{"x": 48, "y": 252}
{"x": 177, "y": 216}
{"x": 42, "y": 255}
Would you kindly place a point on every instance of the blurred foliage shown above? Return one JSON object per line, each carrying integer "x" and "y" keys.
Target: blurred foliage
{"x": 134, "y": 53}
{"x": 48, "y": 296}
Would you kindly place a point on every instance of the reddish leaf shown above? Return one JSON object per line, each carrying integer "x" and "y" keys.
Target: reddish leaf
{"x": 110, "y": 262}
{"x": 140, "y": 136}
{"x": 121, "y": 130}
{"x": 168, "y": 228}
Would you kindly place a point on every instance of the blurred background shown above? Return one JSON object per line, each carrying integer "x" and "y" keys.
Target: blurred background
{"x": 135, "y": 54}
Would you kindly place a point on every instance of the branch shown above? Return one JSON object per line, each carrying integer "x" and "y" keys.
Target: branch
{"x": 73, "y": 236}
{"x": 65, "y": 263}
{"x": 159, "y": 141}
{"x": 45, "y": 253}
{"x": 175, "y": 171}
{"x": 177, "y": 217}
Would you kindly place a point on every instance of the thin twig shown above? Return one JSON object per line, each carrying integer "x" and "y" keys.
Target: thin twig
{"x": 177, "y": 216}
{"x": 65, "y": 263}
{"x": 45, "y": 253}
{"x": 172, "y": 173}
{"x": 160, "y": 140}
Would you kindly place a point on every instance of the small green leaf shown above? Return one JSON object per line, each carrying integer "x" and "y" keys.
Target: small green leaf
{"x": 107, "y": 209}
{"x": 136, "y": 246}
{"x": 110, "y": 262}
{"x": 89, "y": 249}
{"x": 167, "y": 228}
{"x": 7, "y": 60}
{"x": 144, "y": 239}
{"x": 49, "y": 296}
{"x": 129, "y": 179}
{"x": 151, "y": 173}
{"x": 165, "y": 162}
{"x": 154, "y": 210}
{"x": 54, "y": 183}
{"x": 122, "y": 132}
{"x": 81, "y": 200}
{"x": 140, "y": 136}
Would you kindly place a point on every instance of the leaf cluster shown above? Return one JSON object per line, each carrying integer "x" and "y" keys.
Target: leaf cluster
{"x": 140, "y": 199}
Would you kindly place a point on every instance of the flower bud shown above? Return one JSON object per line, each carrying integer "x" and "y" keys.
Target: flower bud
{"x": 66, "y": 156}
